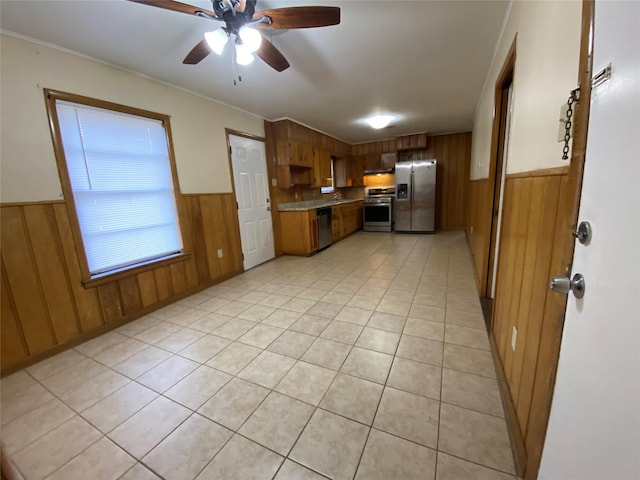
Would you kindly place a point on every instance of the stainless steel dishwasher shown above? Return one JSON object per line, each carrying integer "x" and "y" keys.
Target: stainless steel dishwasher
{"x": 324, "y": 227}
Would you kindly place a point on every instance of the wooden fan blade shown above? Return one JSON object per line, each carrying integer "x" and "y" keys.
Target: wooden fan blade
{"x": 299, "y": 17}
{"x": 272, "y": 56}
{"x": 197, "y": 53}
{"x": 175, "y": 6}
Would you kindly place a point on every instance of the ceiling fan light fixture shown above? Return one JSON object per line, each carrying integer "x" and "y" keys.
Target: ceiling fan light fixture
{"x": 379, "y": 121}
{"x": 243, "y": 55}
{"x": 251, "y": 38}
{"x": 217, "y": 40}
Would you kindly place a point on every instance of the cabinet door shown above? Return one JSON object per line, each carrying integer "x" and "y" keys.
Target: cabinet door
{"x": 321, "y": 168}
{"x": 388, "y": 160}
{"x": 359, "y": 216}
{"x": 283, "y": 152}
{"x": 303, "y": 155}
{"x": 336, "y": 223}
{"x": 340, "y": 173}
{"x": 356, "y": 169}
{"x": 299, "y": 232}
{"x": 371, "y": 161}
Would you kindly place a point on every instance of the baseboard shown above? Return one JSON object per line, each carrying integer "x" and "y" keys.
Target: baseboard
{"x": 515, "y": 434}
{"x": 107, "y": 327}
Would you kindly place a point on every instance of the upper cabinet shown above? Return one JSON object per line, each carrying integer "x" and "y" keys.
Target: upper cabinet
{"x": 321, "y": 167}
{"x": 303, "y": 155}
{"x": 388, "y": 160}
{"x": 356, "y": 171}
{"x": 378, "y": 161}
{"x": 348, "y": 172}
{"x": 411, "y": 142}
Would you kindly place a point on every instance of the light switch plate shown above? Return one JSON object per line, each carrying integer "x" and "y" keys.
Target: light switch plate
{"x": 219, "y": 253}
{"x": 514, "y": 338}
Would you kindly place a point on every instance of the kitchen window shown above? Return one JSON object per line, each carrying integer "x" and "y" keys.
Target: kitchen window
{"x": 118, "y": 167}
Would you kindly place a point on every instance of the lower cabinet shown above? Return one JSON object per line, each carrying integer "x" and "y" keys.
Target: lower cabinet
{"x": 299, "y": 232}
{"x": 345, "y": 219}
{"x": 299, "y": 229}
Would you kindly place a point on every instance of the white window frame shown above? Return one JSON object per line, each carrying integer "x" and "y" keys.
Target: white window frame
{"x": 175, "y": 251}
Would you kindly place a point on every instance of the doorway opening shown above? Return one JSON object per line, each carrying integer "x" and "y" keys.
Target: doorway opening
{"x": 497, "y": 172}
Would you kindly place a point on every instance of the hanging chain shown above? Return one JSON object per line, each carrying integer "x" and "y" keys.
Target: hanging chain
{"x": 574, "y": 96}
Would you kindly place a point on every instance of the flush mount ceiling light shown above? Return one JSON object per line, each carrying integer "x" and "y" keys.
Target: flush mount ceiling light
{"x": 379, "y": 121}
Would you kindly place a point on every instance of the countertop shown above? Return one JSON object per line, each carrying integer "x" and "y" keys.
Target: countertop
{"x": 313, "y": 204}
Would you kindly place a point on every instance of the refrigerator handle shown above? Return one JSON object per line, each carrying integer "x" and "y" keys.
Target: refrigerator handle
{"x": 413, "y": 185}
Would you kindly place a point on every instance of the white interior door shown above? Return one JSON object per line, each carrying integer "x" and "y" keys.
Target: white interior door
{"x": 254, "y": 205}
{"x": 594, "y": 427}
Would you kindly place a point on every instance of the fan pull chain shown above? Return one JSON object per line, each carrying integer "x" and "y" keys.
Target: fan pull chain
{"x": 233, "y": 67}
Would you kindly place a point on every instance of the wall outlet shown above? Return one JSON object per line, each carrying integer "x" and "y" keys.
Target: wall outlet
{"x": 471, "y": 229}
{"x": 514, "y": 338}
{"x": 295, "y": 195}
{"x": 274, "y": 182}
{"x": 220, "y": 253}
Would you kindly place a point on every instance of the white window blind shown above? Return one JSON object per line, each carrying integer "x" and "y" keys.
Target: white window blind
{"x": 122, "y": 186}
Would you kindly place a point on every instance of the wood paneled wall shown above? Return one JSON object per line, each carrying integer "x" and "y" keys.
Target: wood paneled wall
{"x": 479, "y": 227}
{"x": 45, "y": 306}
{"x": 381, "y": 146}
{"x": 453, "y": 153}
{"x": 531, "y": 214}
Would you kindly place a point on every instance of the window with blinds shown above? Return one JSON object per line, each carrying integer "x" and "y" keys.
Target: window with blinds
{"x": 121, "y": 178}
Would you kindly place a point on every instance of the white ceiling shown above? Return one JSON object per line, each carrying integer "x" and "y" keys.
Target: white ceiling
{"x": 424, "y": 61}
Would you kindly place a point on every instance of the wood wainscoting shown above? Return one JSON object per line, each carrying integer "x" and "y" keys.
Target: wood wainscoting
{"x": 479, "y": 228}
{"x": 45, "y": 306}
{"x": 532, "y": 215}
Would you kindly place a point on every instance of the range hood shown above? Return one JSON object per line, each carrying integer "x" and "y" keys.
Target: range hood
{"x": 379, "y": 171}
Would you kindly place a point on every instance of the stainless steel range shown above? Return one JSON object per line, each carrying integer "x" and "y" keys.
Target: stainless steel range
{"x": 378, "y": 209}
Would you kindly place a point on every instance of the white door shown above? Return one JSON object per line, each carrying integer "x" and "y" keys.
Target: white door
{"x": 594, "y": 428}
{"x": 254, "y": 205}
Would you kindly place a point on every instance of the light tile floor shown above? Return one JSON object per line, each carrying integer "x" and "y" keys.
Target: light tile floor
{"x": 367, "y": 361}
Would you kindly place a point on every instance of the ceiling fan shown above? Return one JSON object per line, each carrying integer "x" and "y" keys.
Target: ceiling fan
{"x": 240, "y": 17}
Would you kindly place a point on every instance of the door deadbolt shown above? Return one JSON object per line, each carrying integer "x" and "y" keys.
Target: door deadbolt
{"x": 583, "y": 235}
{"x": 566, "y": 285}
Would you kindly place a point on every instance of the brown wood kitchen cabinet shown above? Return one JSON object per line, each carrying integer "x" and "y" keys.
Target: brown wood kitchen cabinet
{"x": 345, "y": 219}
{"x": 356, "y": 171}
{"x": 336, "y": 223}
{"x": 299, "y": 232}
{"x": 377, "y": 161}
{"x": 348, "y": 172}
{"x": 388, "y": 160}
{"x": 321, "y": 168}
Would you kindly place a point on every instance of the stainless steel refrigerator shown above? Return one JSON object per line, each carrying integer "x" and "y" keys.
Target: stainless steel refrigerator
{"x": 415, "y": 206}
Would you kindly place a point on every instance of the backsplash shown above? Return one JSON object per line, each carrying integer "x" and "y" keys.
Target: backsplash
{"x": 343, "y": 193}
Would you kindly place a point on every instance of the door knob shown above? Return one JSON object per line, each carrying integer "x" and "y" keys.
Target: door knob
{"x": 583, "y": 235}
{"x": 566, "y": 285}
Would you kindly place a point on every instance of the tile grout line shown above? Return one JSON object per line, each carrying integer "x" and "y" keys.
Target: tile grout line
{"x": 298, "y": 359}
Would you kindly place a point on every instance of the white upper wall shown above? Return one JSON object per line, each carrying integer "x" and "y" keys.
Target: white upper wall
{"x": 546, "y": 70}
{"x": 29, "y": 171}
